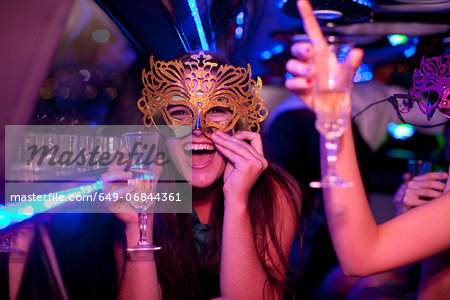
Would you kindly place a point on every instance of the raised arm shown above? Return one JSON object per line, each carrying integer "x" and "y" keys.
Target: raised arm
{"x": 242, "y": 273}
{"x": 361, "y": 245}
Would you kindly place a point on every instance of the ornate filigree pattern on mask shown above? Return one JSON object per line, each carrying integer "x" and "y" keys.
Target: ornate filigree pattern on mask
{"x": 201, "y": 84}
{"x": 431, "y": 85}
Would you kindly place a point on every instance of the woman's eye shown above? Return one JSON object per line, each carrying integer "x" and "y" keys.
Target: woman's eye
{"x": 218, "y": 110}
{"x": 180, "y": 112}
{"x": 219, "y": 114}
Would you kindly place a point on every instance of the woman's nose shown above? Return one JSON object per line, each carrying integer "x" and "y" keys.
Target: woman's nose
{"x": 197, "y": 132}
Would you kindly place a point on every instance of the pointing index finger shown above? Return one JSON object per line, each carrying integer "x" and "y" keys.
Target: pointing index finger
{"x": 310, "y": 23}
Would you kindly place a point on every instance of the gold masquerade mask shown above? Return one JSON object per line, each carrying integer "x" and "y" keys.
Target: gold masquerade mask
{"x": 201, "y": 93}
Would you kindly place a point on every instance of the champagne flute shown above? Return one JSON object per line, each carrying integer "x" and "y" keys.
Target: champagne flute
{"x": 144, "y": 180}
{"x": 332, "y": 102}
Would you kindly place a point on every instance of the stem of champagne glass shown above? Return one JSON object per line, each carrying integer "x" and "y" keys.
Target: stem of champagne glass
{"x": 142, "y": 229}
{"x": 332, "y": 146}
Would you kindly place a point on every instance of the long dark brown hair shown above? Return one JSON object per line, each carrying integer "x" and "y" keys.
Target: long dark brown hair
{"x": 183, "y": 275}
{"x": 180, "y": 271}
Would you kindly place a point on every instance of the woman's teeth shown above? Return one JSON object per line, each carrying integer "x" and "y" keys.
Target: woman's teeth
{"x": 190, "y": 147}
{"x": 199, "y": 154}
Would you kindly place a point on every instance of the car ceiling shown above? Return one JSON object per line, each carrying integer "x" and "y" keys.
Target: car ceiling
{"x": 166, "y": 28}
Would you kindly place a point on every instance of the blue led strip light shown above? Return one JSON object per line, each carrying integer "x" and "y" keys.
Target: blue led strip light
{"x": 18, "y": 213}
{"x": 198, "y": 24}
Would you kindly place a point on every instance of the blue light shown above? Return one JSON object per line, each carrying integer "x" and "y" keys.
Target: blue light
{"x": 357, "y": 77}
{"x": 27, "y": 210}
{"x": 265, "y": 55}
{"x": 238, "y": 32}
{"x": 397, "y": 39}
{"x": 288, "y": 75}
{"x": 20, "y": 212}
{"x": 367, "y": 3}
{"x": 240, "y": 18}
{"x": 364, "y": 73}
{"x": 400, "y": 131}
{"x": 363, "y": 67}
{"x": 277, "y": 49}
{"x": 282, "y": 3}
{"x": 4, "y": 218}
{"x": 198, "y": 24}
{"x": 343, "y": 53}
{"x": 367, "y": 76}
{"x": 410, "y": 51}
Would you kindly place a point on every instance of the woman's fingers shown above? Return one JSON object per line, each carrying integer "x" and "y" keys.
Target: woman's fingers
{"x": 428, "y": 181}
{"x": 225, "y": 141}
{"x": 255, "y": 147}
{"x": 299, "y": 68}
{"x": 310, "y": 23}
{"x": 114, "y": 177}
{"x": 236, "y": 150}
{"x": 123, "y": 191}
{"x": 240, "y": 147}
{"x": 432, "y": 175}
{"x": 423, "y": 192}
{"x": 232, "y": 156}
{"x": 302, "y": 87}
{"x": 413, "y": 202}
{"x": 302, "y": 51}
{"x": 425, "y": 185}
{"x": 254, "y": 139}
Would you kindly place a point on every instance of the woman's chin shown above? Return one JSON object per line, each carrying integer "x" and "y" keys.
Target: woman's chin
{"x": 201, "y": 183}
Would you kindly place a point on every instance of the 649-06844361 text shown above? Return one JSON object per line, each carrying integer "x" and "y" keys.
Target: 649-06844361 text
{"x": 97, "y": 196}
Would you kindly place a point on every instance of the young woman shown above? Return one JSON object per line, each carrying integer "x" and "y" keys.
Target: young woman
{"x": 237, "y": 241}
{"x": 362, "y": 246}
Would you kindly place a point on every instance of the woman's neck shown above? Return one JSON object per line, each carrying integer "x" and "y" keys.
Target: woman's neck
{"x": 202, "y": 201}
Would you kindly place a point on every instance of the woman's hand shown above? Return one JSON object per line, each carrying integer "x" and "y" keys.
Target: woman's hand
{"x": 302, "y": 68}
{"x": 115, "y": 184}
{"x": 301, "y": 65}
{"x": 245, "y": 163}
{"x": 414, "y": 192}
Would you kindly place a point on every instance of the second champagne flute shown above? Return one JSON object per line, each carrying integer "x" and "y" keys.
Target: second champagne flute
{"x": 144, "y": 145}
{"x": 332, "y": 102}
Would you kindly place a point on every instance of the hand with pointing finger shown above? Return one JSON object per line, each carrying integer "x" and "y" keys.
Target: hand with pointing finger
{"x": 301, "y": 66}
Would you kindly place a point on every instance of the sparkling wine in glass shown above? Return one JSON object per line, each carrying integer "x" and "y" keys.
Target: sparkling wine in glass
{"x": 332, "y": 103}
{"x": 144, "y": 180}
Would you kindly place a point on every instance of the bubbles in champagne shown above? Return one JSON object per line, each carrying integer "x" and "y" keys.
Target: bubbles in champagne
{"x": 145, "y": 183}
{"x": 332, "y": 126}
{"x": 331, "y": 107}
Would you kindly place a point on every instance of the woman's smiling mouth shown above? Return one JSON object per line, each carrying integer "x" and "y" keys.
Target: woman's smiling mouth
{"x": 201, "y": 154}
